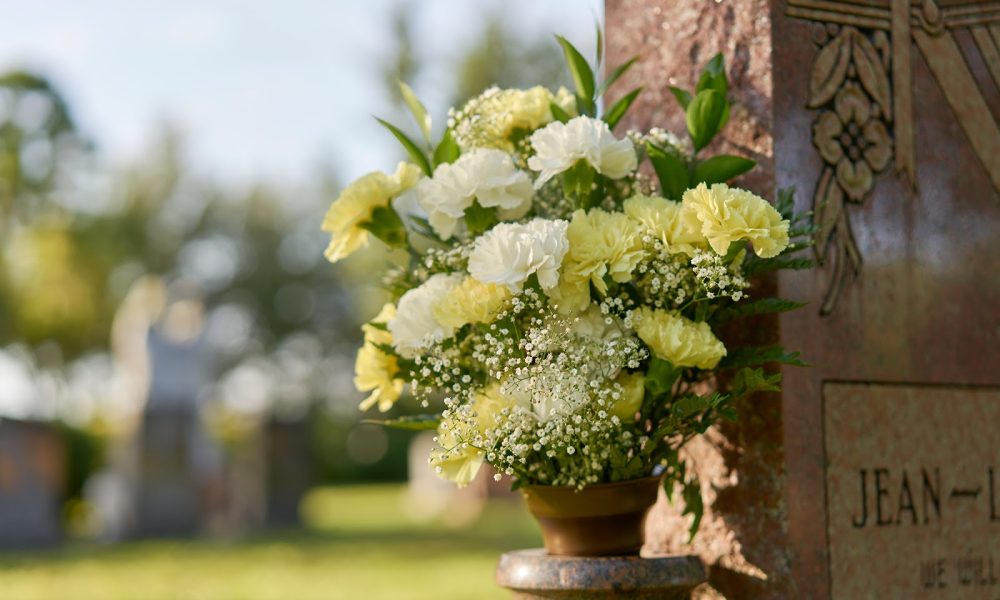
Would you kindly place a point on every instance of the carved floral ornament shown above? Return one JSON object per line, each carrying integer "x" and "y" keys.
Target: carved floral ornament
{"x": 861, "y": 86}
{"x": 850, "y": 85}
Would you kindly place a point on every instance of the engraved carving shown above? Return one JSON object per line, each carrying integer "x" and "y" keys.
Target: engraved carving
{"x": 861, "y": 83}
{"x": 849, "y": 83}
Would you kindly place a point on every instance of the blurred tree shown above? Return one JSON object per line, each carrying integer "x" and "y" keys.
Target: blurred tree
{"x": 37, "y": 138}
{"x": 500, "y": 58}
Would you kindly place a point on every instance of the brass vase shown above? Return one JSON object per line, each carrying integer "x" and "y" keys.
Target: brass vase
{"x": 606, "y": 519}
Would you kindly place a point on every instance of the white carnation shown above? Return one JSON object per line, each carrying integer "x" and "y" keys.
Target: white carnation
{"x": 510, "y": 252}
{"x": 414, "y": 326}
{"x": 486, "y": 175}
{"x": 559, "y": 145}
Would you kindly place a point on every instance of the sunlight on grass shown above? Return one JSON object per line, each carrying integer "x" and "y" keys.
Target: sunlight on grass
{"x": 360, "y": 545}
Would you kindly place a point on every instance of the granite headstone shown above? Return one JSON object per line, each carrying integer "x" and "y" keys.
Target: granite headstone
{"x": 874, "y": 473}
{"x": 32, "y": 479}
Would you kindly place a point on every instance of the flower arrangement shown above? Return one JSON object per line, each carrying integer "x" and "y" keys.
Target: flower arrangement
{"x": 561, "y": 303}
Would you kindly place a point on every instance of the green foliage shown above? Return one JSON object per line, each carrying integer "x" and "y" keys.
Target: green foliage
{"x": 578, "y": 183}
{"x": 661, "y": 376}
{"x": 447, "y": 150}
{"x": 416, "y": 154}
{"x": 619, "y": 108}
{"x": 755, "y": 265}
{"x": 749, "y": 381}
{"x": 683, "y": 97}
{"x": 409, "y": 422}
{"x": 720, "y": 169}
{"x": 558, "y": 113}
{"x": 757, "y": 307}
{"x": 670, "y": 170}
{"x": 583, "y": 77}
{"x": 479, "y": 218}
{"x": 386, "y": 225}
{"x": 750, "y": 356}
{"x": 704, "y": 117}
{"x": 417, "y": 110}
{"x": 615, "y": 74}
{"x": 693, "y": 504}
{"x": 713, "y": 77}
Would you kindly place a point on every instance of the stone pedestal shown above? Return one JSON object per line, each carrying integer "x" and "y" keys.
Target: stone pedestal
{"x": 534, "y": 574}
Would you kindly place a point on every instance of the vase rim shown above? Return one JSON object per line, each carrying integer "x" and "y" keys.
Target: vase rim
{"x": 611, "y": 484}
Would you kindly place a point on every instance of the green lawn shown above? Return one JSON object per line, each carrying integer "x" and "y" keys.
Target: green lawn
{"x": 359, "y": 546}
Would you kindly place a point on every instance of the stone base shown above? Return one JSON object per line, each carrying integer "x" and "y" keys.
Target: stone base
{"x": 533, "y": 574}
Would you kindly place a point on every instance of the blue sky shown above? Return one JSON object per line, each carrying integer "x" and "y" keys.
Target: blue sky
{"x": 261, "y": 89}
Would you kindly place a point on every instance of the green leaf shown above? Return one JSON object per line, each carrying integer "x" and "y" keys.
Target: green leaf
{"x": 558, "y": 113}
{"x": 756, "y": 265}
{"x": 714, "y": 76}
{"x": 720, "y": 169}
{"x": 386, "y": 225}
{"x": 417, "y": 109}
{"x": 619, "y": 108}
{"x": 670, "y": 170}
{"x": 615, "y": 74}
{"x": 683, "y": 97}
{"x": 583, "y": 76}
{"x": 693, "y": 505}
{"x": 757, "y": 307}
{"x": 661, "y": 376}
{"x": 409, "y": 422}
{"x": 749, "y": 381}
{"x": 578, "y": 182}
{"x": 752, "y": 356}
{"x": 704, "y": 117}
{"x": 600, "y": 42}
{"x": 689, "y": 404}
{"x": 478, "y": 218}
{"x": 785, "y": 204}
{"x": 447, "y": 150}
{"x": 416, "y": 154}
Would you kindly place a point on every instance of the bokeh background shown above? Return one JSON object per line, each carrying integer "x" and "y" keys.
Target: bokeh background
{"x": 177, "y": 418}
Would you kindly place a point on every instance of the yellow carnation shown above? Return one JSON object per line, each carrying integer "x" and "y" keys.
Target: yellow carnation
{"x": 454, "y": 459}
{"x": 633, "y": 390}
{"x": 355, "y": 204}
{"x": 678, "y": 229}
{"x": 488, "y": 404}
{"x": 730, "y": 214}
{"x": 677, "y": 340}
{"x": 529, "y": 109}
{"x": 374, "y": 370}
{"x": 488, "y": 120}
{"x": 470, "y": 302}
{"x": 600, "y": 243}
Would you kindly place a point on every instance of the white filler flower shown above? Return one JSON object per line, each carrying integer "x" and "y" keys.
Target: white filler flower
{"x": 414, "y": 326}
{"x": 559, "y": 145}
{"x": 486, "y": 175}
{"x": 510, "y": 252}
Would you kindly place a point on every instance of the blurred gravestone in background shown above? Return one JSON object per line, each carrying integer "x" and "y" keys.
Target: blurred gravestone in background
{"x": 177, "y": 459}
{"x": 289, "y": 469}
{"x": 31, "y": 484}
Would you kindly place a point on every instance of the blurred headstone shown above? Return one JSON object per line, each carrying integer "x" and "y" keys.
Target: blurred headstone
{"x": 32, "y": 478}
{"x": 176, "y": 456}
{"x": 289, "y": 470}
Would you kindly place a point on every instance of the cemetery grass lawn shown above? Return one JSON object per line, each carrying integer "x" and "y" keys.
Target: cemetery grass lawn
{"x": 359, "y": 545}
